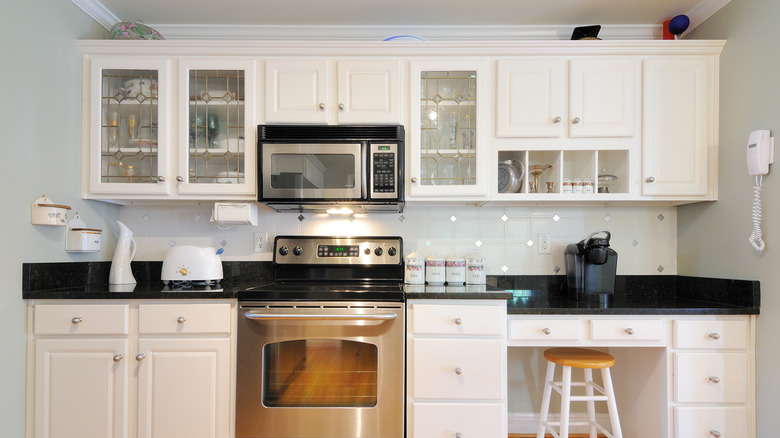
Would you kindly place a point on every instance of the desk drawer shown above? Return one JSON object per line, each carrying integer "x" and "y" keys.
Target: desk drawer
{"x": 445, "y": 319}
{"x": 211, "y": 318}
{"x": 711, "y": 421}
{"x": 627, "y": 330}
{"x": 80, "y": 319}
{"x": 711, "y": 334}
{"x": 710, "y": 377}
{"x": 457, "y": 369}
{"x": 447, "y": 420}
{"x": 544, "y": 329}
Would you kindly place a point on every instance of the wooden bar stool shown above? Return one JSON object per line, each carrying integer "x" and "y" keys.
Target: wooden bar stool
{"x": 588, "y": 360}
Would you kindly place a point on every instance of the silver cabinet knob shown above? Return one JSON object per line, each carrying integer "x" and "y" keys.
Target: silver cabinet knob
{"x": 458, "y": 321}
{"x": 576, "y": 120}
{"x": 140, "y": 356}
{"x": 414, "y": 179}
{"x": 341, "y": 107}
{"x": 160, "y": 179}
{"x": 546, "y": 331}
{"x": 650, "y": 179}
{"x": 179, "y": 179}
{"x": 629, "y": 331}
{"x": 557, "y": 120}
{"x": 118, "y": 357}
{"x": 714, "y": 379}
{"x": 181, "y": 320}
{"x": 714, "y": 433}
{"x": 458, "y": 370}
{"x": 322, "y": 107}
{"x": 458, "y": 435}
{"x": 76, "y": 320}
{"x": 714, "y": 336}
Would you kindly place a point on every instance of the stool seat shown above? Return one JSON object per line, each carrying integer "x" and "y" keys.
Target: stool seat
{"x": 579, "y": 358}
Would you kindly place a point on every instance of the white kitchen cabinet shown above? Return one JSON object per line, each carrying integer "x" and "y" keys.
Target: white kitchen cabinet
{"x": 301, "y": 91}
{"x": 162, "y": 127}
{"x": 532, "y": 92}
{"x": 679, "y": 126}
{"x": 448, "y": 130}
{"x": 456, "y": 381}
{"x": 132, "y": 368}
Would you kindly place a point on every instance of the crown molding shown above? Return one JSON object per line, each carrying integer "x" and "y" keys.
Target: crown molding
{"x": 98, "y": 12}
{"x": 703, "y": 11}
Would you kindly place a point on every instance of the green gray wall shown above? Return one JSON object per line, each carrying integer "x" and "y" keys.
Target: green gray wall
{"x": 40, "y": 140}
{"x": 712, "y": 238}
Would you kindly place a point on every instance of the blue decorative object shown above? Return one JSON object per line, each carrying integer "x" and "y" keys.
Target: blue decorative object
{"x": 404, "y": 38}
{"x": 678, "y": 25}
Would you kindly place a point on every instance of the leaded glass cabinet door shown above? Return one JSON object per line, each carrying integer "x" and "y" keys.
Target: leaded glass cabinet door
{"x": 448, "y": 135}
{"x": 128, "y": 126}
{"x": 216, "y": 131}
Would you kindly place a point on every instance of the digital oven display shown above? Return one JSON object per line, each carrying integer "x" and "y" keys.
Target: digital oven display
{"x": 338, "y": 251}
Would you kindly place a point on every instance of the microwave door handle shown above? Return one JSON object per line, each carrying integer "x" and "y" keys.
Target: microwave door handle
{"x": 314, "y": 317}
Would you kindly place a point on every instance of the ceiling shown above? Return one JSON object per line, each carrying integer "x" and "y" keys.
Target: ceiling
{"x": 210, "y": 14}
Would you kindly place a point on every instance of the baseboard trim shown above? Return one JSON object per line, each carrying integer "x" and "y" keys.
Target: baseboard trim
{"x": 527, "y": 423}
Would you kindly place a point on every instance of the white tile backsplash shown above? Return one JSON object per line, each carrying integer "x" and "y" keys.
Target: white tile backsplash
{"x": 643, "y": 242}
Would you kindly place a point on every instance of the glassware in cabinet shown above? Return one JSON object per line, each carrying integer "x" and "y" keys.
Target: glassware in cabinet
{"x": 544, "y": 167}
{"x": 613, "y": 175}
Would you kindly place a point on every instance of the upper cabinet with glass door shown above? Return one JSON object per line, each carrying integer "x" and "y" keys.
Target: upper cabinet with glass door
{"x": 448, "y": 151}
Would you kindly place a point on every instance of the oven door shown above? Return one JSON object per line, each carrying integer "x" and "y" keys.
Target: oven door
{"x": 320, "y": 370}
{"x": 312, "y": 171}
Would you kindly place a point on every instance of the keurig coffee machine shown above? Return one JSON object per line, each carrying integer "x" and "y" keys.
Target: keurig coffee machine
{"x": 591, "y": 266}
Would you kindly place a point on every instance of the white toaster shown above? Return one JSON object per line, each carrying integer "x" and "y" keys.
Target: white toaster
{"x": 192, "y": 263}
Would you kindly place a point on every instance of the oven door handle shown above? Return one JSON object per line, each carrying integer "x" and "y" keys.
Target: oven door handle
{"x": 313, "y": 317}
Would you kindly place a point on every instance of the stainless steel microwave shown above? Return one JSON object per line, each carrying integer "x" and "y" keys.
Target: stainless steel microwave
{"x": 320, "y": 168}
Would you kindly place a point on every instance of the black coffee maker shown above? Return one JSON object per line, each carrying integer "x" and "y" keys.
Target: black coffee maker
{"x": 591, "y": 266}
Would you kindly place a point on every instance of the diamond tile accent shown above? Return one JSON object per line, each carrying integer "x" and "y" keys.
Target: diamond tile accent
{"x": 530, "y": 243}
{"x": 634, "y": 243}
{"x": 172, "y": 243}
{"x": 504, "y": 268}
{"x": 556, "y": 218}
{"x": 608, "y": 217}
{"x": 660, "y": 217}
{"x": 352, "y": 218}
{"x": 428, "y": 243}
{"x": 453, "y": 218}
{"x": 145, "y": 218}
{"x": 198, "y": 218}
{"x": 478, "y": 243}
{"x": 223, "y": 243}
{"x": 459, "y": 98}
{"x": 437, "y": 98}
{"x": 402, "y": 218}
{"x": 660, "y": 268}
{"x": 504, "y": 217}
{"x": 301, "y": 217}
{"x": 556, "y": 269}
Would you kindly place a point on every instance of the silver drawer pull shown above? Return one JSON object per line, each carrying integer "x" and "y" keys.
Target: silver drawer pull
{"x": 650, "y": 179}
{"x": 629, "y": 331}
{"x": 140, "y": 356}
{"x": 458, "y": 435}
{"x": 714, "y": 336}
{"x": 458, "y": 321}
{"x": 715, "y": 433}
{"x": 714, "y": 379}
{"x": 181, "y": 320}
{"x": 576, "y": 120}
{"x": 546, "y": 331}
{"x": 322, "y": 107}
{"x": 118, "y": 357}
{"x": 458, "y": 371}
{"x": 76, "y": 320}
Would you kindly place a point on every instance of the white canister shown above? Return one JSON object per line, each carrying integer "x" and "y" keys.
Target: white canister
{"x": 414, "y": 272}
{"x": 45, "y": 212}
{"x": 434, "y": 270}
{"x": 475, "y": 269}
{"x": 455, "y": 270}
{"x": 83, "y": 240}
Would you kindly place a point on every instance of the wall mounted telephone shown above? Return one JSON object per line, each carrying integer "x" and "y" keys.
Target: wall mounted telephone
{"x": 760, "y": 154}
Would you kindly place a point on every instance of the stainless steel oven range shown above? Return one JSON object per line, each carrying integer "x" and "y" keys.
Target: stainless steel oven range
{"x": 321, "y": 350}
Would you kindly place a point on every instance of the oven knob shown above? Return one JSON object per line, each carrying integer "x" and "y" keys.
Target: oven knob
{"x": 297, "y": 250}
{"x": 378, "y": 251}
{"x": 391, "y": 251}
{"x": 283, "y": 251}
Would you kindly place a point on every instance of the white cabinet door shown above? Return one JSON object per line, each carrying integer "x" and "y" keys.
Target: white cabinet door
{"x": 731, "y": 422}
{"x": 450, "y": 420}
{"x": 677, "y": 132}
{"x": 296, "y": 91}
{"x": 80, "y": 388}
{"x": 602, "y": 97}
{"x": 711, "y": 377}
{"x": 183, "y": 388}
{"x": 530, "y": 98}
{"x": 369, "y": 91}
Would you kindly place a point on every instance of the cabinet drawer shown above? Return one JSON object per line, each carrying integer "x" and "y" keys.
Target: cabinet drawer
{"x": 445, "y": 420}
{"x": 731, "y": 422}
{"x": 457, "y": 319}
{"x": 711, "y": 334}
{"x": 80, "y": 319}
{"x": 627, "y": 330}
{"x": 184, "y": 318}
{"x": 710, "y": 378}
{"x": 457, "y": 368}
{"x": 544, "y": 329}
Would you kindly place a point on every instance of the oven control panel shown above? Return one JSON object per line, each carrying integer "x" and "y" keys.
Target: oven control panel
{"x": 326, "y": 250}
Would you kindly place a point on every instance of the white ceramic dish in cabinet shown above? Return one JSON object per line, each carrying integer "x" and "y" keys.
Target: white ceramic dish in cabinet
{"x": 472, "y": 320}
{"x": 80, "y": 319}
{"x": 711, "y": 334}
{"x": 184, "y": 318}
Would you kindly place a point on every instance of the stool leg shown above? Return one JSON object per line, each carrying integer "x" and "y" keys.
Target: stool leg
{"x": 590, "y": 403}
{"x": 565, "y": 402}
{"x": 546, "y": 400}
{"x": 611, "y": 403}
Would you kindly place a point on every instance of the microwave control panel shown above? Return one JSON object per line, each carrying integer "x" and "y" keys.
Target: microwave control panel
{"x": 384, "y": 171}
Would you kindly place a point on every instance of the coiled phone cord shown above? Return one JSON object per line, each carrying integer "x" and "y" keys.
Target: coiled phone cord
{"x": 755, "y": 237}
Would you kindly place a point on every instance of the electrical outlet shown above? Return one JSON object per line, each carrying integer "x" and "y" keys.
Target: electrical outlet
{"x": 261, "y": 241}
{"x": 545, "y": 243}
